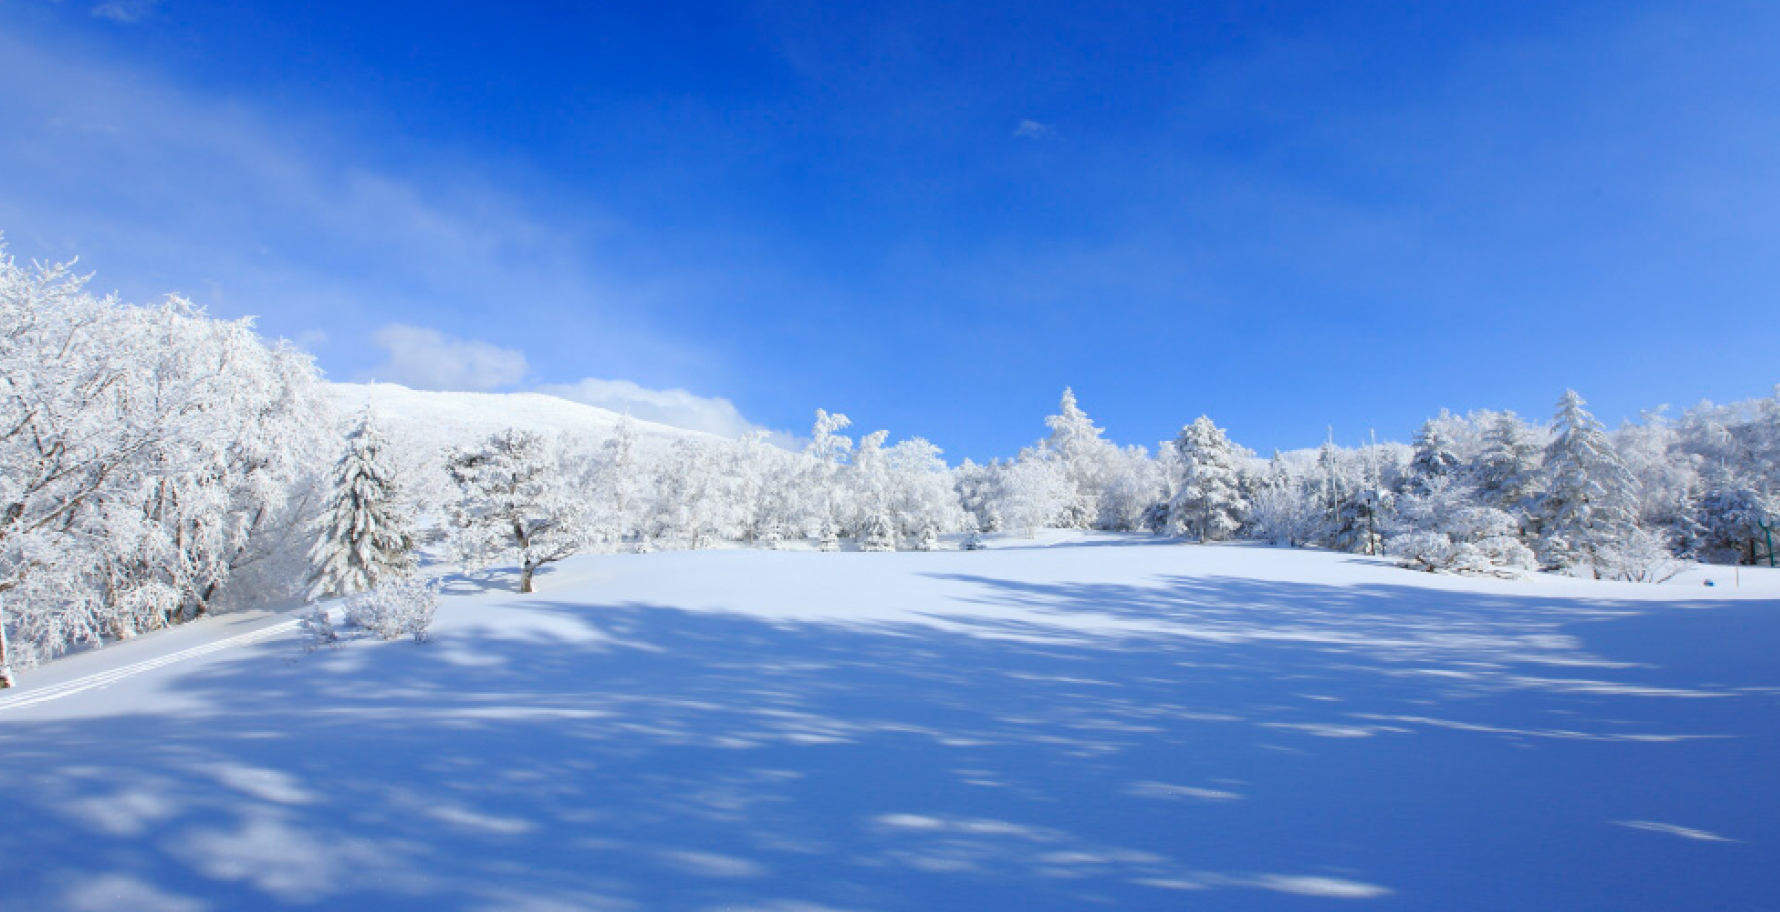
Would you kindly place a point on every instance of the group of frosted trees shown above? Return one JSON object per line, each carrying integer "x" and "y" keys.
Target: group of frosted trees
{"x": 155, "y": 463}
{"x": 1487, "y": 493}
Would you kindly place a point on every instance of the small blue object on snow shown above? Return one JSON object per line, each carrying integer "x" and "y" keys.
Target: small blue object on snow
{"x": 1711, "y": 583}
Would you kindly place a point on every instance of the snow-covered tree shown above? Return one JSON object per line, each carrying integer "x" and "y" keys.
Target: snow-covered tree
{"x": 1507, "y": 472}
{"x": 1442, "y": 526}
{"x": 152, "y": 462}
{"x": 396, "y": 607}
{"x": 921, "y": 495}
{"x": 619, "y": 485}
{"x": 1084, "y": 461}
{"x": 1590, "y": 498}
{"x": 517, "y": 501}
{"x": 823, "y": 506}
{"x": 1434, "y": 456}
{"x": 1282, "y": 508}
{"x": 1030, "y": 494}
{"x": 365, "y": 535}
{"x": 1136, "y": 485}
{"x": 1209, "y": 502}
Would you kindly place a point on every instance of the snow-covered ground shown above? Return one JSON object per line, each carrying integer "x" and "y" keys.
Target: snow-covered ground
{"x": 1066, "y": 723}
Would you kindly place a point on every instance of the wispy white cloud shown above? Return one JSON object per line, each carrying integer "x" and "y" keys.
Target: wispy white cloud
{"x": 428, "y": 359}
{"x": 675, "y": 407}
{"x": 161, "y": 187}
{"x": 126, "y": 11}
{"x": 422, "y": 358}
{"x": 1032, "y": 129}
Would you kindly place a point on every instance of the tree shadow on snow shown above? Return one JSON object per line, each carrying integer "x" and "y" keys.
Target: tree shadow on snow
{"x": 1213, "y": 743}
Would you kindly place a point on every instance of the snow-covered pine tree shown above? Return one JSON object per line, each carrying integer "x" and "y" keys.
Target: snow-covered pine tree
{"x": 1085, "y": 461}
{"x": 877, "y": 533}
{"x": 1209, "y": 503}
{"x": 1507, "y": 471}
{"x": 1590, "y": 497}
{"x": 365, "y": 535}
{"x": 1434, "y": 457}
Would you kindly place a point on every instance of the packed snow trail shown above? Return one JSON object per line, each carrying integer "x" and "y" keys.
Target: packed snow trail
{"x": 1109, "y": 722}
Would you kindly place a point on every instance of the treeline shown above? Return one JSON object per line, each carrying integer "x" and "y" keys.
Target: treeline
{"x": 1485, "y": 493}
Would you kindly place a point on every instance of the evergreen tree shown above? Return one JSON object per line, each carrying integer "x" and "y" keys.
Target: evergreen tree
{"x": 1590, "y": 498}
{"x": 877, "y": 533}
{"x": 1507, "y": 471}
{"x": 365, "y": 537}
{"x": 1209, "y": 503}
{"x": 1434, "y": 456}
{"x": 1085, "y": 461}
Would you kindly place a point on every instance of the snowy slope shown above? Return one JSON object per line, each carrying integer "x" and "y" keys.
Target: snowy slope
{"x": 428, "y": 421}
{"x": 1077, "y": 721}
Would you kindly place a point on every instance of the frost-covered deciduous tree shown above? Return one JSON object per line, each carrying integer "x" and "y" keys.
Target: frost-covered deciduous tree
{"x": 1136, "y": 485}
{"x": 921, "y": 495}
{"x": 620, "y": 484}
{"x": 365, "y": 535}
{"x": 1030, "y": 494}
{"x": 1209, "y": 501}
{"x": 517, "y": 500}
{"x": 1282, "y": 508}
{"x": 824, "y": 506}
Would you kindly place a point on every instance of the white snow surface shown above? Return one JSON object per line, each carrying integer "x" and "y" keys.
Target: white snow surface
{"x": 1066, "y": 722}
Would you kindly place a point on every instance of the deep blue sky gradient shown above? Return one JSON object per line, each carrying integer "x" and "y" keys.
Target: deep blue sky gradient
{"x": 1284, "y": 215}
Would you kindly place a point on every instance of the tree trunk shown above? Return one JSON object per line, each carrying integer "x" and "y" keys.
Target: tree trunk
{"x": 525, "y": 577}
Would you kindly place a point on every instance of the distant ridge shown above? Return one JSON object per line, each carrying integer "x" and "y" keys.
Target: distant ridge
{"x": 430, "y": 420}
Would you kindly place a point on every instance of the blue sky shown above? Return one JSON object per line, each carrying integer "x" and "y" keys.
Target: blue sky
{"x": 1284, "y": 215}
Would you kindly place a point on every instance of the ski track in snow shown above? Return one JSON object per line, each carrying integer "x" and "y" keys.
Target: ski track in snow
{"x": 45, "y": 694}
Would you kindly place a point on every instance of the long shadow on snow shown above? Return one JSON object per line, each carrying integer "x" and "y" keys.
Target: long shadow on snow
{"x": 1259, "y": 746}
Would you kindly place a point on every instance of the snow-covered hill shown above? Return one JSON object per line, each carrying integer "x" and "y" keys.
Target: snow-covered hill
{"x": 1076, "y": 721}
{"x": 427, "y": 421}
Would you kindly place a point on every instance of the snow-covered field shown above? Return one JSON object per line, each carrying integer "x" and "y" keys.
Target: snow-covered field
{"x": 1066, "y": 723}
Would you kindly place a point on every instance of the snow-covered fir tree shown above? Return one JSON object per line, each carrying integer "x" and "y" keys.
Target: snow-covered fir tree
{"x": 1084, "y": 461}
{"x": 1507, "y": 472}
{"x": 1590, "y": 497}
{"x": 365, "y": 535}
{"x": 1434, "y": 456}
{"x": 1209, "y": 502}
